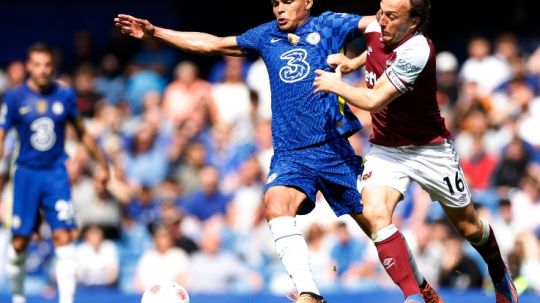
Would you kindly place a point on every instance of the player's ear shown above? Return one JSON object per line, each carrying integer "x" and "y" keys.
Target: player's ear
{"x": 309, "y": 4}
{"x": 415, "y": 21}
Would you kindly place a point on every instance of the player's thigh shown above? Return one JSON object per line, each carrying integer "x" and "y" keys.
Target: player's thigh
{"x": 25, "y": 210}
{"x": 56, "y": 200}
{"x": 289, "y": 184}
{"x": 436, "y": 168}
{"x": 385, "y": 176}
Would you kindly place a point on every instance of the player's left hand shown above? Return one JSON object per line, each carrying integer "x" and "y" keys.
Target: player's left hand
{"x": 327, "y": 81}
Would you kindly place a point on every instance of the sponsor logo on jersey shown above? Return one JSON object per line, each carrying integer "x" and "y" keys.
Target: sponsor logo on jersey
{"x": 313, "y": 38}
{"x": 57, "y": 108}
{"x": 407, "y": 66}
{"x": 274, "y": 40}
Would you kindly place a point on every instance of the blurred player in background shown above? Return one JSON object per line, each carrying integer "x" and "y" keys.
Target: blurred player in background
{"x": 39, "y": 111}
{"x": 409, "y": 140}
{"x": 309, "y": 131}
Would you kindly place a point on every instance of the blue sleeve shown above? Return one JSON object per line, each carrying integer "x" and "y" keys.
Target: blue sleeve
{"x": 71, "y": 102}
{"x": 341, "y": 27}
{"x": 7, "y": 112}
{"x": 250, "y": 41}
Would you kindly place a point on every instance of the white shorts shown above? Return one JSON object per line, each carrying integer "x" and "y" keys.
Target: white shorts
{"x": 434, "y": 167}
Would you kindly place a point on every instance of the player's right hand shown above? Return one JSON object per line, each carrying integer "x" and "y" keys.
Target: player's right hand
{"x": 135, "y": 27}
{"x": 335, "y": 60}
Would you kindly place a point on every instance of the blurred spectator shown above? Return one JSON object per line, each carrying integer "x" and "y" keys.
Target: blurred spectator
{"x": 110, "y": 82}
{"x": 511, "y": 167}
{"x": 208, "y": 201}
{"x": 187, "y": 173}
{"x": 320, "y": 260}
{"x": 504, "y": 224}
{"x": 482, "y": 67}
{"x": 216, "y": 271}
{"x": 15, "y": 73}
{"x": 84, "y": 52}
{"x": 526, "y": 203}
{"x": 144, "y": 208}
{"x": 157, "y": 57}
{"x": 217, "y": 72}
{"x": 457, "y": 270}
{"x": 97, "y": 259}
{"x": 140, "y": 82}
{"x": 258, "y": 80}
{"x": 185, "y": 93}
{"x": 84, "y": 83}
{"x": 447, "y": 79}
{"x": 145, "y": 163}
{"x": 247, "y": 197}
{"x": 231, "y": 96}
{"x": 524, "y": 261}
{"x": 162, "y": 262}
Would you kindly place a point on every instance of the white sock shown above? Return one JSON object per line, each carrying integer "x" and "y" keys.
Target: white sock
{"x": 294, "y": 253}
{"x": 485, "y": 233}
{"x": 15, "y": 271}
{"x": 66, "y": 269}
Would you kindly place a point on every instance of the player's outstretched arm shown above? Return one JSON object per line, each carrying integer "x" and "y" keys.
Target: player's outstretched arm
{"x": 372, "y": 100}
{"x": 193, "y": 42}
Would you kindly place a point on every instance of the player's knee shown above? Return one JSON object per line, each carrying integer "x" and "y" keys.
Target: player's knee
{"x": 377, "y": 216}
{"x": 19, "y": 244}
{"x": 277, "y": 206}
{"x": 61, "y": 237}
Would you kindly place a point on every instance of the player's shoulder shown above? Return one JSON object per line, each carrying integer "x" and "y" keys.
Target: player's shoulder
{"x": 63, "y": 89}
{"x": 418, "y": 46}
{"x": 329, "y": 16}
{"x": 14, "y": 93}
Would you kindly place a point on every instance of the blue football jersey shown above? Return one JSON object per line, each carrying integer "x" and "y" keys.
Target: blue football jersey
{"x": 301, "y": 118}
{"x": 40, "y": 122}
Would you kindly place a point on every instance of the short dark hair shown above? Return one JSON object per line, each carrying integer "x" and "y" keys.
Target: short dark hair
{"x": 420, "y": 9}
{"x": 39, "y": 47}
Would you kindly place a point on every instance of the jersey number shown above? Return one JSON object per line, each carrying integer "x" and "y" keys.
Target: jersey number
{"x": 64, "y": 210}
{"x": 297, "y": 67}
{"x": 43, "y": 136}
{"x": 460, "y": 185}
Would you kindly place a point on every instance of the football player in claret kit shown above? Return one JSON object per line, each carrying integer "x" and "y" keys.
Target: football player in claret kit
{"x": 39, "y": 111}
{"x": 309, "y": 131}
{"x": 410, "y": 141}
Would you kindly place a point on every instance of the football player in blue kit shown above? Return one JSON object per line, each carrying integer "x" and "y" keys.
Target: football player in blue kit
{"x": 309, "y": 131}
{"x": 39, "y": 111}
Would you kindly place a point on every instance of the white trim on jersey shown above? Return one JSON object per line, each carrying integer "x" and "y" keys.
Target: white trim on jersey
{"x": 411, "y": 59}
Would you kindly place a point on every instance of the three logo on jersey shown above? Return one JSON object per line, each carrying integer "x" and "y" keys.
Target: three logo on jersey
{"x": 297, "y": 67}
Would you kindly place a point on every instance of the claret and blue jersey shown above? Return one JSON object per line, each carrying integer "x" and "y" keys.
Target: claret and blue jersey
{"x": 40, "y": 179}
{"x": 299, "y": 117}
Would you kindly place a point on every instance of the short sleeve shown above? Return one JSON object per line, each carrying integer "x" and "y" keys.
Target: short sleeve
{"x": 7, "y": 112}
{"x": 411, "y": 59}
{"x": 250, "y": 40}
{"x": 341, "y": 27}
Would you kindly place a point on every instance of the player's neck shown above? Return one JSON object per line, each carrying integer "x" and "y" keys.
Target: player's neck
{"x": 38, "y": 88}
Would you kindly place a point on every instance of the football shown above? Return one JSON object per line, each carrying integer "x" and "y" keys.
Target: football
{"x": 165, "y": 292}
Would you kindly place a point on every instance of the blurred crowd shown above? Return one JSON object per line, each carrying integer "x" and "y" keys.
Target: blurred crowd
{"x": 189, "y": 156}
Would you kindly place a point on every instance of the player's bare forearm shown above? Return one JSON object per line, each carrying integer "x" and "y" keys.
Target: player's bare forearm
{"x": 90, "y": 143}
{"x": 368, "y": 99}
{"x": 199, "y": 43}
{"x": 2, "y": 137}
